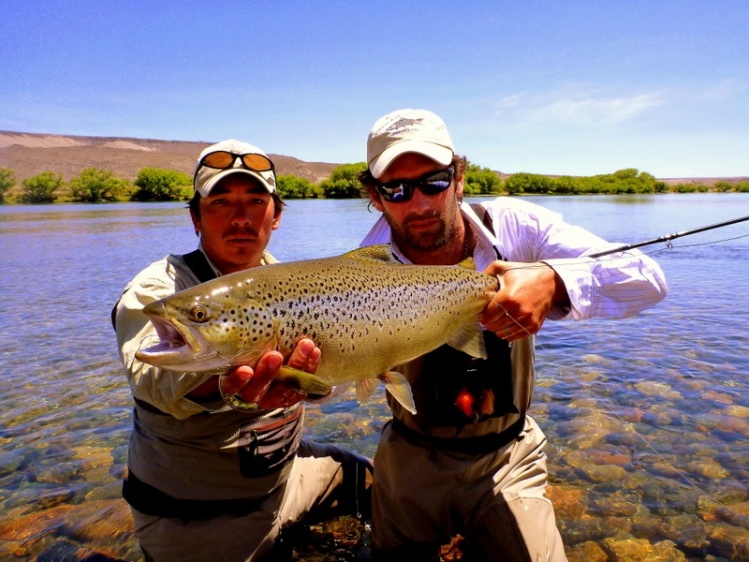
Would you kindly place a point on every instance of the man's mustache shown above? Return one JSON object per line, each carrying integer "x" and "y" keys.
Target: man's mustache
{"x": 240, "y": 233}
{"x": 415, "y": 217}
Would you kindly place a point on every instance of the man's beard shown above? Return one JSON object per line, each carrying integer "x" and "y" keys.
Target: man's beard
{"x": 422, "y": 241}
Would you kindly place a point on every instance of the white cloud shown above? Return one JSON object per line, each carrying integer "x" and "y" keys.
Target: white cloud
{"x": 576, "y": 108}
{"x": 723, "y": 90}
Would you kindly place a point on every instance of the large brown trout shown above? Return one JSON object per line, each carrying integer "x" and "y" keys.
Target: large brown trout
{"x": 366, "y": 311}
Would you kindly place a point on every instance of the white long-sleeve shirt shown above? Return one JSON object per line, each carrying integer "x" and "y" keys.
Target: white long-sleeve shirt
{"x": 615, "y": 286}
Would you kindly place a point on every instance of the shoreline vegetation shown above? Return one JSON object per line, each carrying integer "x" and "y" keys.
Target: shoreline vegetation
{"x": 96, "y": 185}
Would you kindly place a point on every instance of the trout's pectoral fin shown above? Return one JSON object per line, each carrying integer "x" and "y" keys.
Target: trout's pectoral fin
{"x": 303, "y": 381}
{"x": 397, "y": 385}
{"x": 470, "y": 340}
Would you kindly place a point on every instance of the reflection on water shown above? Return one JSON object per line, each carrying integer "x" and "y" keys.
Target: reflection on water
{"x": 647, "y": 418}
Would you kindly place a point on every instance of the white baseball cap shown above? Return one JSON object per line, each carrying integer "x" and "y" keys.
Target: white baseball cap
{"x": 253, "y": 162}
{"x": 407, "y": 130}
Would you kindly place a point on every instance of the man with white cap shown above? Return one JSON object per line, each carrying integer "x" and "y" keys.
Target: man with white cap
{"x": 470, "y": 462}
{"x": 207, "y": 480}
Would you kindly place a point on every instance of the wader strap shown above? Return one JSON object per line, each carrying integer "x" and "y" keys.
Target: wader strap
{"x": 197, "y": 261}
{"x": 152, "y": 501}
{"x": 481, "y": 213}
{"x": 481, "y": 445}
{"x": 199, "y": 265}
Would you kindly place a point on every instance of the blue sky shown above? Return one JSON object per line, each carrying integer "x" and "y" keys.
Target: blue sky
{"x": 548, "y": 87}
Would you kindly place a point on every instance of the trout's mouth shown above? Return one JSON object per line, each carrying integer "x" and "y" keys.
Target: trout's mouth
{"x": 178, "y": 348}
{"x": 171, "y": 339}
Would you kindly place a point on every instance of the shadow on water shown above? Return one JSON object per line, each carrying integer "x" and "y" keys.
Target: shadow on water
{"x": 647, "y": 418}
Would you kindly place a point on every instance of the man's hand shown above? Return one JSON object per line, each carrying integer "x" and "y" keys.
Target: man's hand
{"x": 526, "y": 294}
{"x": 257, "y": 386}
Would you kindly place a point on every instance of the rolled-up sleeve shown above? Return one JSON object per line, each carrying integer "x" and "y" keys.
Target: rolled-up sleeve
{"x": 614, "y": 286}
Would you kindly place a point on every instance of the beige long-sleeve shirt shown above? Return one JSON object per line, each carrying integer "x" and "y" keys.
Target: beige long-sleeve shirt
{"x": 163, "y": 389}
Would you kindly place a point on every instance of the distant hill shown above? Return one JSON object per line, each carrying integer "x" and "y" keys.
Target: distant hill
{"x": 29, "y": 154}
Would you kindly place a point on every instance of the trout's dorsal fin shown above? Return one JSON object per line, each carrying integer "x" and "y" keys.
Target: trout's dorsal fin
{"x": 468, "y": 263}
{"x": 379, "y": 253}
{"x": 470, "y": 340}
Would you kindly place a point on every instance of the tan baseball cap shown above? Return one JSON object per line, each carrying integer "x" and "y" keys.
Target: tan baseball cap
{"x": 407, "y": 130}
{"x": 249, "y": 160}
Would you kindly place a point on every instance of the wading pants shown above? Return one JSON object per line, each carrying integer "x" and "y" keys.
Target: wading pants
{"x": 247, "y": 537}
{"x": 423, "y": 496}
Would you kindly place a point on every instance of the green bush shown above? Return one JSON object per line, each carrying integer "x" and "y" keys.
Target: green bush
{"x": 723, "y": 186}
{"x": 627, "y": 180}
{"x": 156, "y": 184}
{"x": 343, "y": 182}
{"x": 481, "y": 181}
{"x": 524, "y": 182}
{"x": 7, "y": 180}
{"x": 294, "y": 187}
{"x": 686, "y": 188}
{"x": 41, "y": 188}
{"x": 94, "y": 185}
{"x": 567, "y": 184}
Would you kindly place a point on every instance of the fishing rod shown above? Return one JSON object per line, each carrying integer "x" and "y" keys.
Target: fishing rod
{"x": 668, "y": 237}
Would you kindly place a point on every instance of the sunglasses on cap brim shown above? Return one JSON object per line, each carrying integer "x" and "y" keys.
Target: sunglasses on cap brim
{"x": 398, "y": 191}
{"x": 223, "y": 160}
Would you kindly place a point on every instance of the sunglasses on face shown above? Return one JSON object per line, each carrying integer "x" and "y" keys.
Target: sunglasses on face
{"x": 430, "y": 184}
{"x": 223, "y": 160}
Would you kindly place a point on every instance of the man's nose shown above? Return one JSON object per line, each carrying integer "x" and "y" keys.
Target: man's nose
{"x": 420, "y": 200}
{"x": 241, "y": 214}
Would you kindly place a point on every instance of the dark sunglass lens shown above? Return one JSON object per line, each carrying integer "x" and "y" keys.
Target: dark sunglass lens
{"x": 219, "y": 159}
{"x": 395, "y": 192}
{"x": 437, "y": 183}
{"x": 257, "y": 162}
{"x": 432, "y": 187}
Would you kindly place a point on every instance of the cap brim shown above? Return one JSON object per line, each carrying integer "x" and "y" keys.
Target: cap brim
{"x": 440, "y": 154}
{"x": 210, "y": 183}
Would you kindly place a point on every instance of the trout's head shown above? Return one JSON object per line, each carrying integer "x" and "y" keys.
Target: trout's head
{"x": 208, "y": 327}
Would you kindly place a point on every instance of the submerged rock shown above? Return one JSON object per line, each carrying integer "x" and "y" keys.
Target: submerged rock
{"x": 641, "y": 550}
{"x": 730, "y": 542}
{"x": 688, "y": 531}
{"x": 587, "y": 552}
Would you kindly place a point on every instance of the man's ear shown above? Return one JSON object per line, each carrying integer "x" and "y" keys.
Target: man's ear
{"x": 196, "y": 223}
{"x": 376, "y": 201}
{"x": 459, "y": 187}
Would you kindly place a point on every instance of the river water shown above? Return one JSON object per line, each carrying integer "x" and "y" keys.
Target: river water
{"x": 647, "y": 418}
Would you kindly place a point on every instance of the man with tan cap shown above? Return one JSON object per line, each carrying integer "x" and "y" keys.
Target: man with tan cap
{"x": 207, "y": 481}
{"x": 470, "y": 462}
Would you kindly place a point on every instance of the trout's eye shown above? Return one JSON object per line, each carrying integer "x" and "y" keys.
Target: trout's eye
{"x": 198, "y": 314}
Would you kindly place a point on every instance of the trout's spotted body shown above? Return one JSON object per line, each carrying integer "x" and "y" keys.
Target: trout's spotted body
{"x": 366, "y": 311}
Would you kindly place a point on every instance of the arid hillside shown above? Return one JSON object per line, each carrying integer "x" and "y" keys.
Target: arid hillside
{"x": 29, "y": 154}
